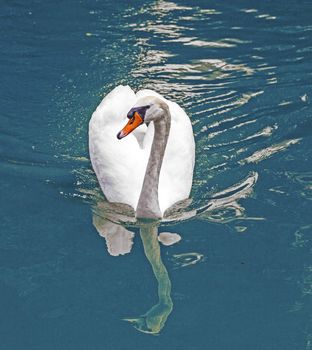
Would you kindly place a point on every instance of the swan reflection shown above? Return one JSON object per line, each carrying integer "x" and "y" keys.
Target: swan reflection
{"x": 115, "y": 222}
{"x": 119, "y": 241}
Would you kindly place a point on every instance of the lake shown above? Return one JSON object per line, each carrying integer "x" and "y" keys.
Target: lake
{"x": 238, "y": 274}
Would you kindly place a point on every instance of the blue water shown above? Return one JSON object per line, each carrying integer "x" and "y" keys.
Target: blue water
{"x": 241, "y": 276}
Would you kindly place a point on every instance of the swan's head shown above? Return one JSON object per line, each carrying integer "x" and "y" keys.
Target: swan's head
{"x": 146, "y": 110}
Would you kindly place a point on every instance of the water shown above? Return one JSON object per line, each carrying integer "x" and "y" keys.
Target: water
{"x": 241, "y": 276}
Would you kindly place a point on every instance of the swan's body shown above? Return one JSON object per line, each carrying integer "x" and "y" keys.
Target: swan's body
{"x": 121, "y": 165}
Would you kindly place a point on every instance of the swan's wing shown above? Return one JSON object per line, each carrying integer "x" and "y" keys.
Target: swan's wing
{"x": 115, "y": 104}
{"x": 147, "y": 92}
{"x": 176, "y": 175}
{"x": 118, "y": 164}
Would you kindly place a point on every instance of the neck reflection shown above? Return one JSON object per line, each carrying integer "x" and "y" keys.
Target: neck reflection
{"x": 155, "y": 318}
{"x": 119, "y": 241}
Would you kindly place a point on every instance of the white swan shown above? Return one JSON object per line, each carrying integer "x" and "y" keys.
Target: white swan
{"x": 152, "y": 168}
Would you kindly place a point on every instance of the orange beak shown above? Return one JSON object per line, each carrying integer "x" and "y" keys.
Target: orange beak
{"x": 132, "y": 124}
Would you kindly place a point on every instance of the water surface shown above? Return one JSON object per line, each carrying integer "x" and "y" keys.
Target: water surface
{"x": 241, "y": 275}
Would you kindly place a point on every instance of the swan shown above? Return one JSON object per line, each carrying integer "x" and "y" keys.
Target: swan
{"x": 152, "y": 168}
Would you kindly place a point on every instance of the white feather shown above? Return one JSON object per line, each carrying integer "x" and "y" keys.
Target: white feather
{"x": 120, "y": 164}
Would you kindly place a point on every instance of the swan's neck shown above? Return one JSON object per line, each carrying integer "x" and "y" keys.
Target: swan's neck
{"x": 148, "y": 205}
